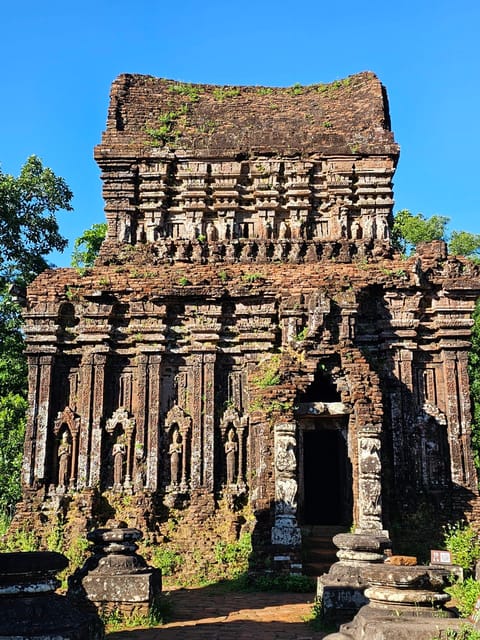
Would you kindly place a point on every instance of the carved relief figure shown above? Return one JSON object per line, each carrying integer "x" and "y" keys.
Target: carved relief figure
{"x": 231, "y": 448}
{"x": 355, "y": 230}
{"x": 64, "y": 458}
{"x": 139, "y": 480}
{"x": 119, "y": 455}
{"x": 286, "y": 495}
{"x": 283, "y": 231}
{"x": 211, "y": 232}
{"x": 285, "y": 459}
{"x": 175, "y": 453}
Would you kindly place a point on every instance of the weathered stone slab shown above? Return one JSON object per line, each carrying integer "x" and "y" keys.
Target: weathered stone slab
{"x": 30, "y": 610}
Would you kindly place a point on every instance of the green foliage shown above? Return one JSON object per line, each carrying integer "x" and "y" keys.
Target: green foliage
{"x": 167, "y": 560}
{"x": 466, "y": 632}
{"x": 87, "y": 246}
{"x": 252, "y": 277}
{"x": 409, "y": 229}
{"x": 28, "y": 232}
{"x": 461, "y": 539}
{"x": 234, "y": 555}
{"x": 13, "y": 403}
{"x": 264, "y": 91}
{"x": 183, "y": 281}
{"x": 301, "y": 335}
{"x": 166, "y": 132}
{"x": 463, "y": 243}
{"x": 222, "y": 93}
{"x": 296, "y": 89}
{"x": 115, "y": 620}
{"x": 269, "y": 372}
{"x": 190, "y": 91}
{"x": 465, "y": 594}
{"x": 28, "y": 227}
{"x": 223, "y": 275}
{"x": 22, "y": 540}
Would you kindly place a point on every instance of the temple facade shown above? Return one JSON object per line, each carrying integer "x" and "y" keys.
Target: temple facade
{"x": 249, "y": 354}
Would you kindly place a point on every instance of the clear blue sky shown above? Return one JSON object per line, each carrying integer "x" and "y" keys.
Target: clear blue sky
{"x": 59, "y": 59}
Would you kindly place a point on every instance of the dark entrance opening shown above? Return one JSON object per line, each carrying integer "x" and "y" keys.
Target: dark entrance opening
{"x": 327, "y": 478}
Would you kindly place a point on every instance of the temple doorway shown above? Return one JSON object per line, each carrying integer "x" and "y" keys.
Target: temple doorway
{"x": 325, "y": 473}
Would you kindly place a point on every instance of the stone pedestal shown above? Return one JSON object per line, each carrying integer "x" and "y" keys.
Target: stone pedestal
{"x": 115, "y": 576}
{"x": 30, "y": 608}
{"x": 341, "y": 590}
{"x": 405, "y": 603}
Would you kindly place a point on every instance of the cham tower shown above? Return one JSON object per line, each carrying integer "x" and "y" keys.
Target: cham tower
{"x": 249, "y": 354}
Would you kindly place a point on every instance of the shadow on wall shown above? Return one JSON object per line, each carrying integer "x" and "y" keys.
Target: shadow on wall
{"x": 419, "y": 494}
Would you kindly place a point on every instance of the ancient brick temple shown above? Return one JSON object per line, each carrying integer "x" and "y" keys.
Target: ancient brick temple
{"x": 249, "y": 353}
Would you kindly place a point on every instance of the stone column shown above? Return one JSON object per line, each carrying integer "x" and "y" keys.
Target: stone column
{"x": 369, "y": 480}
{"x": 98, "y": 399}
{"x": 42, "y": 415}
{"x": 208, "y": 415}
{"x": 195, "y": 409}
{"x": 28, "y": 466}
{"x": 153, "y": 453}
{"x": 85, "y": 402}
{"x": 456, "y": 377}
{"x": 286, "y": 531}
{"x": 470, "y": 475}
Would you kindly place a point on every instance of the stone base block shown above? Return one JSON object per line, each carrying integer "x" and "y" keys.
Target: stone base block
{"x": 375, "y": 624}
{"x": 46, "y": 617}
{"x": 340, "y": 602}
{"x": 140, "y": 587}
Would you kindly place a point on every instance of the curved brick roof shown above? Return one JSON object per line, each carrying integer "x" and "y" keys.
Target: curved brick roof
{"x": 148, "y": 116}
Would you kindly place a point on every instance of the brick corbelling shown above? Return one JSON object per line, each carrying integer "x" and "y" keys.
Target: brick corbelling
{"x": 142, "y": 278}
{"x": 348, "y": 116}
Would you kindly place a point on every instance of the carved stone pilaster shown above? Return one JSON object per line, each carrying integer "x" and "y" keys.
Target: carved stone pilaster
{"x": 369, "y": 480}
{"x": 286, "y": 531}
{"x": 98, "y": 399}
{"x": 153, "y": 458}
{"x": 42, "y": 415}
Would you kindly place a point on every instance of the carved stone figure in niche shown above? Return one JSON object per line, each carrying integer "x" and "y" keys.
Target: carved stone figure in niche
{"x": 211, "y": 232}
{"x": 139, "y": 480}
{"x": 382, "y": 228}
{"x": 64, "y": 458}
{"x": 355, "y": 230}
{"x": 119, "y": 456}
{"x": 231, "y": 448}
{"x": 175, "y": 453}
{"x": 283, "y": 230}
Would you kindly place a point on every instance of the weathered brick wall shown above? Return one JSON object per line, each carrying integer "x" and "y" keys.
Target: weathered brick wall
{"x": 247, "y": 296}
{"x": 294, "y": 315}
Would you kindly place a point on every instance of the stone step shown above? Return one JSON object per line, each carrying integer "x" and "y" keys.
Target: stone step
{"x": 319, "y": 552}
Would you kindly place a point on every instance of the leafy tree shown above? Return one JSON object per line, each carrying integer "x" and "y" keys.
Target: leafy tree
{"x": 409, "y": 229}
{"x": 28, "y": 232}
{"x": 463, "y": 243}
{"x": 28, "y": 227}
{"x": 87, "y": 246}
